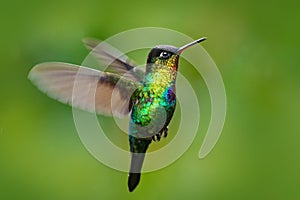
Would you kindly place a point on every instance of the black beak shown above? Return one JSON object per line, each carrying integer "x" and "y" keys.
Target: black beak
{"x": 181, "y": 49}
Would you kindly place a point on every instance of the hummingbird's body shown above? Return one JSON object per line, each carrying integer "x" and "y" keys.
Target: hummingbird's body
{"x": 158, "y": 92}
{"x": 152, "y": 109}
{"x": 149, "y": 97}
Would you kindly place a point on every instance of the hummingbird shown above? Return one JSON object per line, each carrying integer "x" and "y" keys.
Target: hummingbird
{"x": 123, "y": 89}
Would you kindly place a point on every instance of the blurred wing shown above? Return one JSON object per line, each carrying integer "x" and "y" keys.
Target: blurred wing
{"x": 115, "y": 61}
{"x": 84, "y": 88}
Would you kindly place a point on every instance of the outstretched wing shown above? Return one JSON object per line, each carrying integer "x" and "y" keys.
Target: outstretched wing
{"x": 85, "y": 88}
{"x": 114, "y": 60}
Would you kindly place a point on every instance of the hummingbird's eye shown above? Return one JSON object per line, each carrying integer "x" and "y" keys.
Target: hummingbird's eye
{"x": 165, "y": 55}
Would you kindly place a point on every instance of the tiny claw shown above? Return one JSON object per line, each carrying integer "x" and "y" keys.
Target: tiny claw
{"x": 153, "y": 138}
{"x": 166, "y": 132}
{"x": 156, "y": 137}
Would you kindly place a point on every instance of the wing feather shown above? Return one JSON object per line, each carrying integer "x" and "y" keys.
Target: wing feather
{"x": 115, "y": 61}
{"x": 85, "y": 88}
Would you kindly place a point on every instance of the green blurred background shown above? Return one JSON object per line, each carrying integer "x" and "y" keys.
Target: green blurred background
{"x": 255, "y": 45}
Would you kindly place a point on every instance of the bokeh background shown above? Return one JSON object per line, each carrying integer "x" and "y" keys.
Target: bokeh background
{"x": 255, "y": 45}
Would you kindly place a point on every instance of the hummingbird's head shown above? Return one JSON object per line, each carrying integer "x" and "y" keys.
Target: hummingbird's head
{"x": 167, "y": 55}
{"x": 163, "y": 55}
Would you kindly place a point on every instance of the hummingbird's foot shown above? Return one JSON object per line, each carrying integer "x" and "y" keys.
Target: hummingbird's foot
{"x": 156, "y": 137}
{"x": 166, "y": 132}
{"x": 163, "y": 132}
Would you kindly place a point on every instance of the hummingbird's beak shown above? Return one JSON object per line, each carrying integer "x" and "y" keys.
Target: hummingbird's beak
{"x": 181, "y": 49}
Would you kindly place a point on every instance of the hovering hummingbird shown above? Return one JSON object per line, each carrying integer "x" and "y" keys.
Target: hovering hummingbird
{"x": 147, "y": 96}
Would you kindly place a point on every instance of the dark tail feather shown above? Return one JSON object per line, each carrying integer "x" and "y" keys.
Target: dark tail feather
{"x": 133, "y": 180}
{"x": 137, "y": 160}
